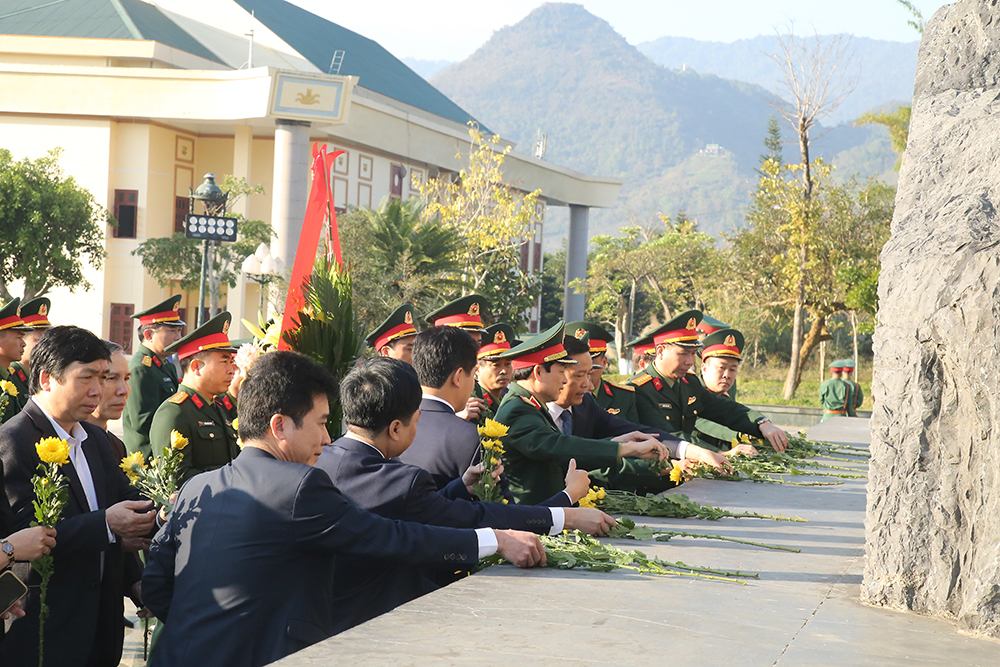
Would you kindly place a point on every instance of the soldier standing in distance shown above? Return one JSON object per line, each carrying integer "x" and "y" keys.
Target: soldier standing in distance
{"x": 858, "y": 396}
{"x": 12, "y": 331}
{"x": 206, "y": 358}
{"x": 465, "y": 313}
{"x": 394, "y": 337}
{"x": 493, "y": 373}
{"x": 833, "y": 393}
{"x": 154, "y": 379}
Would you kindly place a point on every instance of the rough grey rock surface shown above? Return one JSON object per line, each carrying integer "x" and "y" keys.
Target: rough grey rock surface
{"x": 933, "y": 515}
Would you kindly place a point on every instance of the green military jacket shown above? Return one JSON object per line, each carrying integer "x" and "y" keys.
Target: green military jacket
{"x": 227, "y": 404}
{"x": 18, "y": 375}
{"x": 834, "y": 396}
{"x": 492, "y": 405}
{"x": 153, "y": 381}
{"x": 676, "y": 405}
{"x": 618, "y": 400}
{"x": 210, "y": 433}
{"x": 717, "y": 437}
{"x": 538, "y": 453}
{"x": 859, "y": 398}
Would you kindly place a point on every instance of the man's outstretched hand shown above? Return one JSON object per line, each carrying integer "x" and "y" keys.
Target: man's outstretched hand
{"x": 520, "y": 548}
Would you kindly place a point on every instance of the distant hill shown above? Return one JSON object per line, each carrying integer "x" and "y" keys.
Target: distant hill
{"x": 427, "y": 68}
{"x": 885, "y": 70}
{"x": 608, "y": 109}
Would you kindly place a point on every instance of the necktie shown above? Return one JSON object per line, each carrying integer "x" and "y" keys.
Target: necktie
{"x": 566, "y": 419}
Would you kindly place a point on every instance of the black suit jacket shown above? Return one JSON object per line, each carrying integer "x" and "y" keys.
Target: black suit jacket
{"x": 368, "y": 587}
{"x": 242, "y": 572}
{"x": 85, "y": 602}
{"x": 445, "y": 444}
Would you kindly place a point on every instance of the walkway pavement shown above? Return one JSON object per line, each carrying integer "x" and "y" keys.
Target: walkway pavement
{"x": 803, "y": 610}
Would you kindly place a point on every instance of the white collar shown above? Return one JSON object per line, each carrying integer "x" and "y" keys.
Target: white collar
{"x": 556, "y": 410}
{"x": 440, "y": 400}
{"x": 351, "y": 436}
{"x": 76, "y": 437}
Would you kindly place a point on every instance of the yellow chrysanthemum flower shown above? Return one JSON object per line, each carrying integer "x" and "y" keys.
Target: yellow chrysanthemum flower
{"x": 133, "y": 465}
{"x": 236, "y": 424}
{"x": 676, "y": 474}
{"x": 178, "y": 441}
{"x": 8, "y": 387}
{"x": 493, "y": 429}
{"x": 53, "y": 450}
{"x": 601, "y": 493}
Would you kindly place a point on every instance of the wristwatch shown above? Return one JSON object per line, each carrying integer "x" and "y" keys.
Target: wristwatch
{"x": 8, "y": 549}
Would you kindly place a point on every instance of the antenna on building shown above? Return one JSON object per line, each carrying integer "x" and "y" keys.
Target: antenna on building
{"x": 338, "y": 60}
{"x": 249, "y": 62}
{"x": 541, "y": 143}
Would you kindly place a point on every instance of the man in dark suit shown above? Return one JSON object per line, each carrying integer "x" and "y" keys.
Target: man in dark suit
{"x": 92, "y": 574}
{"x": 381, "y": 399}
{"x": 242, "y": 572}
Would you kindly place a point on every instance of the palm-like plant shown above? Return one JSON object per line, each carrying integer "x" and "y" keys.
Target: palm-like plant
{"x": 327, "y": 330}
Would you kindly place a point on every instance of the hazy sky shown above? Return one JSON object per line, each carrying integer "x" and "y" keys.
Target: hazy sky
{"x": 453, "y": 29}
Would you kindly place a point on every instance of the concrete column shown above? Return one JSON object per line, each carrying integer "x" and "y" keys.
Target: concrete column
{"x": 243, "y": 164}
{"x": 236, "y": 304}
{"x": 576, "y": 261}
{"x": 290, "y": 189}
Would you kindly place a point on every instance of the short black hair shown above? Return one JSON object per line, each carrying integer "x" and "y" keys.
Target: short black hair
{"x": 143, "y": 328}
{"x": 379, "y": 391}
{"x": 525, "y": 373}
{"x": 185, "y": 363}
{"x": 58, "y": 348}
{"x": 575, "y": 346}
{"x": 280, "y": 383}
{"x": 440, "y": 351}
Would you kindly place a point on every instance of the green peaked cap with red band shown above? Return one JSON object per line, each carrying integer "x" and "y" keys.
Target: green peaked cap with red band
{"x": 539, "y": 349}
{"x": 398, "y": 325}
{"x": 35, "y": 313}
{"x": 464, "y": 313}
{"x": 681, "y": 330}
{"x": 599, "y": 337}
{"x": 709, "y": 325}
{"x": 10, "y": 316}
{"x": 498, "y": 339}
{"x": 723, "y": 343}
{"x": 212, "y": 335}
{"x": 164, "y": 312}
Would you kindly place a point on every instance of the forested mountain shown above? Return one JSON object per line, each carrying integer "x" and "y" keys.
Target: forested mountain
{"x": 608, "y": 109}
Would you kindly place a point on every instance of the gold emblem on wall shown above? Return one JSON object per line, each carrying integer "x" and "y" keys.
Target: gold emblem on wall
{"x": 308, "y": 97}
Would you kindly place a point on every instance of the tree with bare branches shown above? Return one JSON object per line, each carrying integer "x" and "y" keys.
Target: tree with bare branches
{"x": 816, "y": 79}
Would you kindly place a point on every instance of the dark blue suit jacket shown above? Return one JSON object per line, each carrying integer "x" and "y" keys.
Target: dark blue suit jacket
{"x": 590, "y": 420}
{"x": 242, "y": 573}
{"x": 368, "y": 587}
{"x": 86, "y": 602}
{"x": 445, "y": 444}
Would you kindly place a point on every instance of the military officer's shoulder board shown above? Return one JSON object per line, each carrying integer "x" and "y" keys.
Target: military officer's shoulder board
{"x": 620, "y": 385}
{"x": 641, "y": 379}
{"x": 179, "y": 397}
{"x": 147, "y": 361}
{"x": 530, "y": 400}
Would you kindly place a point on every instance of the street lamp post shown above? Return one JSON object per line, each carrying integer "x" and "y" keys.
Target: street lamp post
{"x": 212, "y": 225}
{"x": 262, "y": 267}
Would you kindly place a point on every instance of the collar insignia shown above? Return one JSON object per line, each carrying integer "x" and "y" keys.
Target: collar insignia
{"x": 658, "y": 384}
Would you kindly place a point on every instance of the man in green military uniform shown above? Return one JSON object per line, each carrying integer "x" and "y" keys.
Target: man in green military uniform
{"x": 394, "y": 337}
{"x": 206, "y": 358}
{"x": 835, "y": 392}
{"x": 154, "y": 378}
{"x": 616, "y": 398}
{"x": 643, "y": 351}
{"x": 35, "y": 315}
{"x": 494, "y": 373}
{"x": 465, "y": 313}
{"x": 538, "y": 452}
{"x": 720, "y": 364}
{"x": 12, "y": 331}
{"x": 857, "y": 394}
{"x": 671, "y": 399}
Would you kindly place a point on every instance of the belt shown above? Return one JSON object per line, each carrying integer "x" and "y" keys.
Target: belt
{"x": 835, "y": 412}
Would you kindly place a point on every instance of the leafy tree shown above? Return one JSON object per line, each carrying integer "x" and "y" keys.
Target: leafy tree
{"x": 493, "y": 219}
{"x": 673, "y": 268}
{"x": 842, "y": 229}
{"x": 898, "y": 124}
{"x": 48, "y": 224}
{"x": 773, "y": 142}
{"x": 177, "y": 259}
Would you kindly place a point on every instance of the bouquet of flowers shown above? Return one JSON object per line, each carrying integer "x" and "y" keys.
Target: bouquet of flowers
{"x": 491, "y": 435}
{"x": 158, "y": 480}
{"x": 50, "y": 500}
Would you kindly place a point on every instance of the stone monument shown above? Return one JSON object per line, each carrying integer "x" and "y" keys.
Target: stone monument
{"x": 933, "y": 518}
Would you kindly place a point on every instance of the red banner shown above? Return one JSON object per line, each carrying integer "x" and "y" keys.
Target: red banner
{"x": 319, "y": 208}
